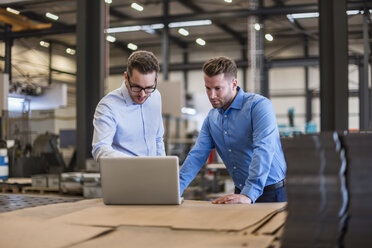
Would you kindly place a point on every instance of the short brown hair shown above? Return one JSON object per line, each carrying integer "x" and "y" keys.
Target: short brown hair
{"x": 220, "y": 65}
{"x": 143, "y": 61}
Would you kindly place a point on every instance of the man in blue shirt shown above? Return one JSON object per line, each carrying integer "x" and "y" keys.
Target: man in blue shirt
{"x": 242, "y": 128}
{"x": 128, "y": 121}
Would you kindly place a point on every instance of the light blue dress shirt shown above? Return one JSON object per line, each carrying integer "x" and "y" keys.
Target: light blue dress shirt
{"x": 124, "y": 128}
{"x": 246, "y": 137}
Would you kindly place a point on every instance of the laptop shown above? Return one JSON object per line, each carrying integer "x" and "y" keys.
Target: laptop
{"x": 140, "y": 180}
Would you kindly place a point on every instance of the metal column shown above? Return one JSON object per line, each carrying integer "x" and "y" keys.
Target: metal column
{"x": 165, "y": 41}
{"x": 185, "y": 71}
{"x": 245, "y": 68}
{"x": 8, "y": 51}
{"x": 307, "y": 91}
{"x": 90, "y": 71}
{"x": 264, "y": 74}
{"x": 363, "y": 80}
{"x": 333, "y": 65}
{"x": 50, "y": 63}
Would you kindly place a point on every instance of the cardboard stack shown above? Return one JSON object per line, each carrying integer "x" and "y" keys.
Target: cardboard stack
{"x": 316, "y": 191}
{"x": 359, "y": 175}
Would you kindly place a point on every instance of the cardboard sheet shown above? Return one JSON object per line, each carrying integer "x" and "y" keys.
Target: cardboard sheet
{"x": 273, "y": 224}
{"x": 53, "y": 210}
{"x": 164, "y": 237}
{"x": 24, "y": 232}
{"x": 197, "y": 215}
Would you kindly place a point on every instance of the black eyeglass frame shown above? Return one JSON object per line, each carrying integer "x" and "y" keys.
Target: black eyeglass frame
{"x": 147, "y": 90}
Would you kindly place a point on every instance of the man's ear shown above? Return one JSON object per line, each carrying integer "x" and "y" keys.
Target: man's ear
{"x": 235, "y": 83}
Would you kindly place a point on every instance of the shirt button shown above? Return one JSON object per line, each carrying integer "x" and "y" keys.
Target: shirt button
{"x": 225, "y": 116}
{"x": 225, "y": 132}
{"x": 229, "y": 150}
{"x": 240, "y": 185}
{"x": 234, "y": 167}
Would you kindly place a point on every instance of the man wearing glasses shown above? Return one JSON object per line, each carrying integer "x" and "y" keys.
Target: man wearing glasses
{"x": 128, "y": 120}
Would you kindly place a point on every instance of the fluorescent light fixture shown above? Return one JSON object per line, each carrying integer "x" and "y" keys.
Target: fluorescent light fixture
{"x": 228, "y": 1}
{"x": 14, "y": 11}
{"x": 190, "y": 23}
{"x": 149, "y": 28}
{"x": 200, "y": 41}
{"x": 108, "y": 1}
{"x": 123, "y": 29}
{"x": 110, "y": 38}
{"x": 291, "y": 17}
{"x": 44, "y": 43}
{"x": 352, "y": 12}
{"x": 188, "y": 111}
{"x": 269, "y": 37}
{"x": 51, "y": 16}
{"x": 136, "y": 6}
{"x": 132, "y": 46}
{"x": 257, "y": 26}
{"x": 183, "y": 31}
{"x": 70, "y": 51}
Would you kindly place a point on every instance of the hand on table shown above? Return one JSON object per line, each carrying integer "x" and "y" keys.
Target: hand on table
{"x": 232, "y": 199}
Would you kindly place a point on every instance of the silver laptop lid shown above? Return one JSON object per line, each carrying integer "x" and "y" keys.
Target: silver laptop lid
{"x": 140, "y": 180}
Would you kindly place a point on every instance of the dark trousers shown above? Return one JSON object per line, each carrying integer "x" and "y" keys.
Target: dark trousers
{"x": 275, "y": 195}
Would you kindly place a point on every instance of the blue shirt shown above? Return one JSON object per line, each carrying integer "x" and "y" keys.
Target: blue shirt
{"x": 124, "y": 128}
{"x": 246, "y": 137}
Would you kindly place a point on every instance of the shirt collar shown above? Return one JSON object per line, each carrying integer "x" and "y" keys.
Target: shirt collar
{"x": 124, "y": 92}
{"x": 237, "y": 103}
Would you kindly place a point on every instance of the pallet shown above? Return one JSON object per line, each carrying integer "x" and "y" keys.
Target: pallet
{"x": 13, "y": 185}
{"x": 40, "y": 190}
{"x": 9, "y": 189}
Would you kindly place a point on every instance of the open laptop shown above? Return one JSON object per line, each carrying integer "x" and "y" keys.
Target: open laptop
{"x": 140, "y": 180}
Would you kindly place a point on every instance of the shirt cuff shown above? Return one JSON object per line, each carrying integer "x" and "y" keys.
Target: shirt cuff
{"x": 251, "y": 193}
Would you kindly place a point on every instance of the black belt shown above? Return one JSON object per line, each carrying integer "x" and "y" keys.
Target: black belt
{"x": 275, "y": 186}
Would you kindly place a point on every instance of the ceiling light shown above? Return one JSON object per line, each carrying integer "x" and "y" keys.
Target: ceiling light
{"x": 257, "y": 26}
{"x": 200, "y": 41}
{"x": 136, "y": 6}
{"x": 269, "y": 37}
{"x": 123, "y": 29}
{"x": 183, "y": 31}
{"x": 148, "y": 28}
{"x": 352, "y": 12}
{"x": 70, "y": 51}
{"x": 108, "y": 1}
{"x": 14, "y": 11}
{"x": 110, "y": 38}
{"x": 51, "y": 16}
{"x": 228, "y": 1}
{"x": 189, "y": 23}
{"x": 132, "y": 46}
{"x": 303, "y": 15}
{"x": 44, "y": 43}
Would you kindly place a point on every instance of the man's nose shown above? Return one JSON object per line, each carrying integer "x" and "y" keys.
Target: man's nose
{"x": 142, "y": 92}
{"x": 212, "y": 94}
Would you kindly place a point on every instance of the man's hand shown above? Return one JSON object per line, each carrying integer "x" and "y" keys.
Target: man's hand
{"x": 232, "y": 199}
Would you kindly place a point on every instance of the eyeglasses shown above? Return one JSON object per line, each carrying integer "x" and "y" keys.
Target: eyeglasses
{"x": 139, "y": 89}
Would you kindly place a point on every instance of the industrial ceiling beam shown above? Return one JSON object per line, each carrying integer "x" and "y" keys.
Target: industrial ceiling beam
{"x": 174, "y": 39}
{"x": 241, "y": 13}
{"x": 191, "y": 5}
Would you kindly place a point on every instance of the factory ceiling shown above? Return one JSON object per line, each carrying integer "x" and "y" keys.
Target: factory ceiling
{"x": 227, "y": 21}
